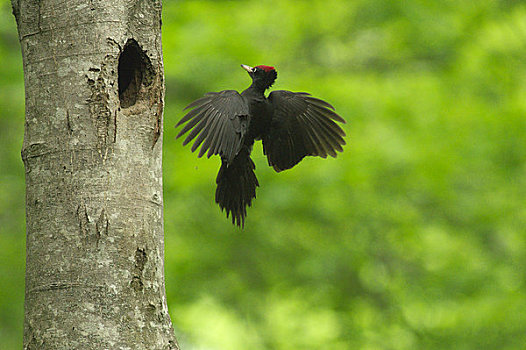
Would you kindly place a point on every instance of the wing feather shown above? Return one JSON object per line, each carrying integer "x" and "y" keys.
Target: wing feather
{"x": 200, "y": 130}
{"x": 195, "y": 131}
{"x": 324, "y": 136}
{"x": 336, "y": 139}
{"x": 198, "y": 102}
{"x": 191, "y": 114}
{"x": 215, "y": 141}
{"x": 301, "y": 126}
{"x": 196, "y": 119}
{"x": 317, "y": 101}
{"x": 212, "y": 131}
{"x": 317, "y": 142}
{"x": 217, "y": 122}
{"x": 327, "y": 112}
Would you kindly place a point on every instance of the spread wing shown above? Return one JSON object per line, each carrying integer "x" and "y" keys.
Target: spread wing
{"x": 301, "y": 126}
{"x": 219, "y": 120}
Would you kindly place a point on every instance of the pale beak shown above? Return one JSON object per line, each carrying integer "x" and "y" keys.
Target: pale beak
{"x": 247, "y": 68}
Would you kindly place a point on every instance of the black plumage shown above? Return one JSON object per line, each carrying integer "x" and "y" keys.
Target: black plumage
{"x": 292, "y": 125}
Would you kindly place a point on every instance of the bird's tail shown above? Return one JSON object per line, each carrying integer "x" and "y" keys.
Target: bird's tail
{"x": 236, "y": 186}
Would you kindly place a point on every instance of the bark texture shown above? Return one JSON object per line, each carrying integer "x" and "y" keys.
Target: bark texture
{"x": 92, "y": 153}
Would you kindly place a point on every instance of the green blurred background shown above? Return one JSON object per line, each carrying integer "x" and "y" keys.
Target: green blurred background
{"x": 413, "y": 238}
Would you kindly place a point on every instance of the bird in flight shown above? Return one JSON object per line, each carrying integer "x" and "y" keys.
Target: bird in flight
{"x": 292, "y": 125}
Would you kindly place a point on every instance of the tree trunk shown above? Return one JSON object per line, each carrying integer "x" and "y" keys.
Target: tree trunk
{"x": 92, "y": 153}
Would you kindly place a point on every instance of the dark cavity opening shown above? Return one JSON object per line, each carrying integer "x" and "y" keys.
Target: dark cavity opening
{"x": 135, "y": 70}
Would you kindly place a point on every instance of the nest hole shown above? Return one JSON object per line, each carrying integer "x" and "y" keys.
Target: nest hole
{"x": 135, "y": 70}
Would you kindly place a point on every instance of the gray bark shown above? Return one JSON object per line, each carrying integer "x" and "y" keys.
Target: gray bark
{"x": 92, "y": 153}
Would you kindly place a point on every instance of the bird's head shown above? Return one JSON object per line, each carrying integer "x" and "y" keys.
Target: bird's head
{"x": 262, "y": 76}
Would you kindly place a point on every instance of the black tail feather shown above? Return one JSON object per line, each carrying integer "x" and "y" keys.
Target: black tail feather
{"x": 236, "y": 186}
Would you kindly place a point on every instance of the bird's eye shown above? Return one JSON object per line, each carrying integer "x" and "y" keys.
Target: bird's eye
{"x": 254, "y": 70}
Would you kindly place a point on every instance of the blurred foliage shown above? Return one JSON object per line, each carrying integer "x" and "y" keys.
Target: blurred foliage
{"x": 413, "y": 238}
